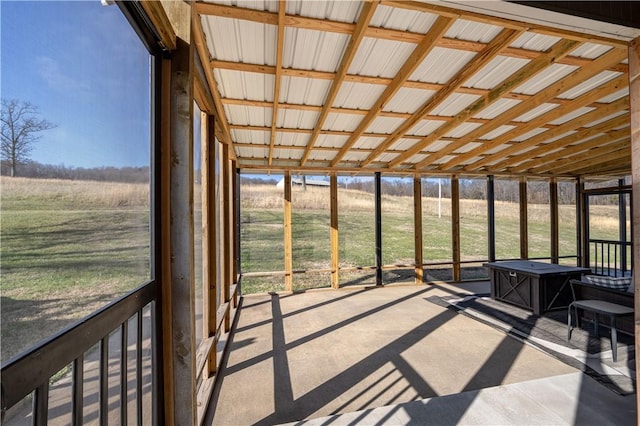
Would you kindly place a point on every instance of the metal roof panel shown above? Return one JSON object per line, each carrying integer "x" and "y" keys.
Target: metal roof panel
{"x": 590, "y": 50}
{"x": 368, "y": 142}
{"x": 536, "y": 112}
{"x": 358, "y": 95}
{"x": 545, "y": 78}
{"x": 425, "y": 127}
{"x": 609, "y": 117}
{"x": 332, "y": 141}
{"x": 341, "y": 122}
{"x": 334, "y": 10}
{"x": 248, "y": 115}
{"x": 463, "y": 29}
{"x": 441, "y": 65}
{"x": 408, "y": 100}
{"x": 615, "y": 96}
{"x": 245, "y": 85}
{"x": 590, "y": 84}
{"x": 496, "y": 108}
{"x": 380, "y": 58}
{"x": 454, "y": 103}
{"x": 495, "y": 72}
{"x": 463, "y": 129}
{"x": 467, "y": 147}
{"x": 240, "y": 41}
{"x": 529, "y": 134}
{"x": 402, "y": 19}
{"x": 313, "y": 50}
{"x": 296, "y": 119}
{"x": 289, "y": 138}
{"x": 251, "y": 136}
{"x": 535, "y": 41}
{"x": 573, "y": 114}
{"x": 384, "y": 125}
{"x": 303, "y": 91}
{"x": 497, "y": 132}
{"x": 403, "y": 144}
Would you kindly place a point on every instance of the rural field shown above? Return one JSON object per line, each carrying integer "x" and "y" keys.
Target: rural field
{"x": 69, "y": 247}
{"x": 66, "y": 249}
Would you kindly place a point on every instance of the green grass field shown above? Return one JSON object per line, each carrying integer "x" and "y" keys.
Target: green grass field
{"x": 69, "y": 247}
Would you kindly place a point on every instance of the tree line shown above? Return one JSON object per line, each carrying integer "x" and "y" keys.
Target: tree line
{"x": 32, "y": 169}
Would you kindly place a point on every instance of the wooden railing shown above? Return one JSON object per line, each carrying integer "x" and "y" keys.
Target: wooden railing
{"x": 124, "y": 334}
{"x": 612, "y": 258}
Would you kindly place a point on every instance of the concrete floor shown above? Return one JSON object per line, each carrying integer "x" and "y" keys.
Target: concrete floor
{"x": 305, "y": 356}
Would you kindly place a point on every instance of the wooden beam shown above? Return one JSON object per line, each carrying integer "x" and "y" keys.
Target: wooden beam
{"x": 455, "y": 226}
{"x": 288, "y": 234}
{"x": 276, "y": 89}
{"x": 165, "y": 235}
{"x": 503, "y": 22}
{"x": 182, "y": 292}
{"x": 417, "y": 228}
{"x": 574, "y": 124}
{"x": 581, "y": 101}
{"x": 560, "y": 49}
{"x": 493, "y": 49}
{"x": 209, "y": 234}
{"x": 524, "y": 219}
{"x": 335, "y": 242}
{"x": 611, "y": 57}
{"x": 566, "y": 155}
{"x": 491, "y": 218}
{"x": 203, "y": 53}
{"x": 368, "y": 9}
{"x": 160, "y": 22}
{"x": 555, "y": 221}
{"x": 226, "y": 241}
{"x": 597, "y": 156}
{"x": 437, "y": 30}
{"x": 634, "y": 105}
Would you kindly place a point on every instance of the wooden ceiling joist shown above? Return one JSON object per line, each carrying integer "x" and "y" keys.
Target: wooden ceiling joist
{"x": 276, "y": 89}
{"x": 437, "y": 30}
{"x": 358, "y": 34}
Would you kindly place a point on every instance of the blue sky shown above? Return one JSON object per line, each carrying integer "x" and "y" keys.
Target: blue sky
{"x": 86, "y": 70}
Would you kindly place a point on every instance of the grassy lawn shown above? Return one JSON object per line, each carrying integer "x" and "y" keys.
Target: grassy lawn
{"x": 65, "y": 252}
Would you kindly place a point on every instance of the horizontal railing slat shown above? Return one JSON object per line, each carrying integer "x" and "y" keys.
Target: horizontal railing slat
{"x": 27, "y": 371}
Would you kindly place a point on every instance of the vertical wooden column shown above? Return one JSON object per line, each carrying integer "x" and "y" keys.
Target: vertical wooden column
{"x": 378, "y": 214}
{"x": 455, "y": 226}
{"x": 209, "y": 230}
{"x": 178, "y": 286}
{"x": 634, "y": 100}
{"x": 236, "y": 228}
{"x": 524, "y": 220}
{"x": 417, "y": 227}
{"x": 584, "y": 226}
{"x": 233, "y": 265}
{"x": 622, "y": 213}
{"x": 227, "y": 251}
{"x": 335, "y": 242}
{"x": 288, "y": 234}
{"x": 165, "y": 237}
{"x": 491, "y": 219}
{"x": 578, "y": 222}
{"x": 555, "y": 220}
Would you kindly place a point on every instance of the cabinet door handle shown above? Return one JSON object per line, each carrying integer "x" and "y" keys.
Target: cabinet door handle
{"x": 512, "y": 274}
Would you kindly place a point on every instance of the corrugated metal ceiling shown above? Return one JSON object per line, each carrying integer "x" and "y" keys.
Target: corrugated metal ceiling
{"x": 426, "y": 88}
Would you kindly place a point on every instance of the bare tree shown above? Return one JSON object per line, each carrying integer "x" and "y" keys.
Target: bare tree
{"x": 20, "y": 125}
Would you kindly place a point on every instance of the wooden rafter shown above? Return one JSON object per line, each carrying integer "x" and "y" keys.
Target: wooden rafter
{"x": 574, "y": 124}
{"x": 613, "y": 56}
{"x": 568, "y": 154}
{"x": 493, "y": 49}
{"x": 583, "y": 100}
{"x": 437, "y": 30}
{"x": 276, "y": 90}
{"x": 596, "y": 156}
{"x": 203, "y": 52}
{"x": 366, "y": 14}
{"x": 561, "y": 48}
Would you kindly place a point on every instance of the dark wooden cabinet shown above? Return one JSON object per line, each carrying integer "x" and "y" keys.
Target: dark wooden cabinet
{"x": 533, "y": 285}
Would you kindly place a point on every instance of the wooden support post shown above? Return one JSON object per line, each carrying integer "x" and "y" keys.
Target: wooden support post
{"x": 209, "y": 231}
{"x": 455, "y": 226}
{"x": 578, "y": 222}
{"x": 236, "y": 223}
{"x": 335, "y": 246}
{"x": 524, "y": 220}
{"x": 622, "y": 213}
{"x": 165, "y": 238}
{"x": 180, "y": 282}
{"x": 634, "y": 101}
{"x": 288, "y": 234}
{"x": 378, "y": 214}
{"x": 417, "y": 227}
{"x": 233, "y": 267}
{"x": 555, "y": 223}
{"x": 491, "y": 218}
{"x": 584, "y": 225}
{"x": 227, "y": 251}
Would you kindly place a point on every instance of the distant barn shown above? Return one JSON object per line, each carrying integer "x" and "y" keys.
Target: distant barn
{"x": 299, "y": 181}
